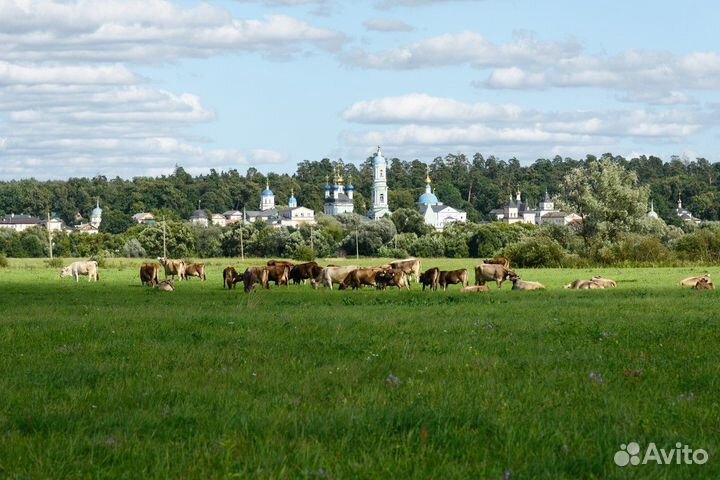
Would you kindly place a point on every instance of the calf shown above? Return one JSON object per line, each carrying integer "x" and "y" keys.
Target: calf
{"x": 166, "y": 286}
{"x": 431, "y": 278}
{"x": 75, "y": 269}
{"x": 195, "y": 270}
{"x": 231, "y": 277}
{"x": 453, "y": 277}
{"x": 149, "y": 274}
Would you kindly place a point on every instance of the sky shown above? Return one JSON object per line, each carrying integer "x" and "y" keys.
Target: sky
{"x": 135, "y": 87}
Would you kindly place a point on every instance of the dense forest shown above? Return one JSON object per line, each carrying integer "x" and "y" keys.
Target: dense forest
{"x": 611, "y": 193}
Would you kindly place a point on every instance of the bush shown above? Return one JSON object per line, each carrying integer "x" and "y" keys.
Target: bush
{"x": 304, "y": 253}
{"x": 100, "y": 258}
{"x": 390, "y": 252}
{"x": 4, "y": 261}
{"x": 540, "y": 251}
{"x": 133, "y": 249}
{"x": 701, "y": 246}
{"x": 55, "y": 262}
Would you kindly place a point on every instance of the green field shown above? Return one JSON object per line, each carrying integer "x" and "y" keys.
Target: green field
{"x": 115, "y": 380}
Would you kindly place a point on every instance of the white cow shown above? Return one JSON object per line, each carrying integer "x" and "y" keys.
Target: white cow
{"x": 330, "y": 275}
{"x": 75, "y": 269}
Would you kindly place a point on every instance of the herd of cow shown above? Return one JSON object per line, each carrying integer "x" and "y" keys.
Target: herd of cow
{"x": 394, "y": 274}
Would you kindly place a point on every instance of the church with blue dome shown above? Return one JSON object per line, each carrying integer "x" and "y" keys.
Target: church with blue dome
{"x": 434, "y": 212}
{"x": 338, "y": 198}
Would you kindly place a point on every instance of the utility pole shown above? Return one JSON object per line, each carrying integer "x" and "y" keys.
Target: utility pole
{"x": 164, "y": 240}
{"x": 49, "y": 236}
{"x": 357, "y": 246}
{"x": 312, "y": 245}
{"x": 242, "y": 234}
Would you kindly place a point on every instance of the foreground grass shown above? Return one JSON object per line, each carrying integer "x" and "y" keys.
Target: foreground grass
{"x": 113, "y": 380}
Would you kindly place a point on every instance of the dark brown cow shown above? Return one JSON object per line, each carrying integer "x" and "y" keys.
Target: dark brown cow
{"x": 195, "y": 270}
{"x": 275, "y": 263}
{"x": 149, "y": 274}
{"x": 504, "y": 261}
{"x": 392, "y": 278}
{"x": 231, "y": 277}
{"x": 359, "y": 277}
{"x": 278, "y": 274}
{"x": 453, "y": 277}
{"x": 704, "y": 284}
{"x": 431, "y": 278}
{"x": 253, "y": 276}
{"x": 304, "y": 271}
{"x": 488, "y": 272}
{"x": 173, "y": 267}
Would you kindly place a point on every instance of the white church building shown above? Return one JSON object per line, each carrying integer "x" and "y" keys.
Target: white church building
{"x": 435, "y": 213}
{"x": 379, "y": 188}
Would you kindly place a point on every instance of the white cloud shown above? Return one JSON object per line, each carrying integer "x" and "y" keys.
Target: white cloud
{"x": 29, "y": 74}
{"x": 385, "y": 4}
{"x": 387, "y": 25}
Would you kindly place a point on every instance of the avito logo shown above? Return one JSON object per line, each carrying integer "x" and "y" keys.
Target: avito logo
{"x": 629, "y": 454}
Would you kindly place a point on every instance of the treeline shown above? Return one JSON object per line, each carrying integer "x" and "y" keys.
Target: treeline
{"x": 475, "y": 184}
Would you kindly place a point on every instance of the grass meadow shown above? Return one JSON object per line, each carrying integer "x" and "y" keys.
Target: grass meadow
{"x": 115, "y": 380}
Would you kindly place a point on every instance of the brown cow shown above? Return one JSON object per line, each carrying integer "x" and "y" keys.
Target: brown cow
{"x": 231, "y": 277}
{"x": 304, "y": 271}
{"x": 476, "y": 289}
{"x": 605, "y": 282}
{"x": 253, "y": 276}
{"x": 195, "y": 270}
{"x": 691, "y": 281}
{"x": 704, "y": 284}
{"x": 149, "y": 274}
{"x": 173, "y": 267}
{"x": 359, "y": 277}
{"x": 520, "y": 284}
{"x": 453, "y": 277}
{"x": 488, "y": 272}
{"x": 411, "y": 267}
{"x": 166, "y": 286}
{"x": 584, "y": 285}
{"x": 504, "y": 261}
{"x": 392, "y": 278}
{"x": 431, "y": 278}
{"x": 274, "y": 263}
{"x": 278, "y": 274}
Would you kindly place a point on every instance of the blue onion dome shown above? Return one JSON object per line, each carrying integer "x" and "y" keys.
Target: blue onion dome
{"x": 350, "y": 187}
{"x": 378, "y": 159}
{"x": 97, "y": 210}
{"x": 427, "y": 198}
{"x": 267, "y": 192}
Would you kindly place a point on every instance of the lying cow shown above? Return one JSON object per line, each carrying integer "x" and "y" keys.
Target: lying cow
{"x": 166, "y": 286}
{"x": 692, "y": 281}
{"x": 278, "y": 274}
{"x": 304, "y": 271}
{"x": 504, "y": 261}
{"x": 520, "y": 284}
{"x": 704, "y": 284}
{"x": 584, "y": 285}
{"x": 75, "y": 269}
{"x": 253, "y": 276}
{"x": 330, "y": 275}
{"x": 488, "y": 272}
{"x": 359, "y": 277}
{"x": 411, "y": 267}
{"x": 195, "y": 270}
{"x": 431, "y": 278}
{"x": 231, "y": 277}
{"x": 173, "y": 268}
{"x": 475, "y": 289}
{"x": 453, "y": 277}
{"x": 605, "y": 282}
{"x": 149, "y": 274}
{"x": 392, "y": 278}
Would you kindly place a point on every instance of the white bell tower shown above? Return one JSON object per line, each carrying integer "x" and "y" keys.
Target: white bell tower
{"x": 379, "y": 188}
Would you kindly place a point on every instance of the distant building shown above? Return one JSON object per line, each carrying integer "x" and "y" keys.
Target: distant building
{"x": 519, "y": 211}
{"x": 218, "y": 220}
{"x": 434, "y": 212}
{"x": 93, "y": 226}
{"x": 337, "y": 201}
{"x": 143, "y": 218}
{"x": 652, "y": 213}
{"x": 684, "y": 214}
{"x": 291, "y": 216}
{"x": 232, "y": 216}
{"x": 200, "y": 218}
{"x": 379, "y": 188}
{"x": 19, "y": 222}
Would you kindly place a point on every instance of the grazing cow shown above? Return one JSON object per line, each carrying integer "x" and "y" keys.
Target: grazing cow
{"x": 392, "y": 278}
{"x": 253, "y": 276}
{"x": 605, "y": 282}
{"x": 330, "y": 275}
{"x": 431, "y": 278}
{"x": 75, "y": 269}
{"x": 475, "y": 289}
{"x": 195, "y": 270}
{"x": 704, "y": 284}
{"x": 520, "y": 284}
{"x": 274, "y": 263}
{"x": 278, "y": 274}
{"x": 166, "y": 286}
{"x": 173, "y": 268}
{"x": 149, "y": 274}
{"x": 504, "y": 261}
{"x": 453, "y": 277}
{"x": 488, "y": 272}
{"x": 359, "y": 277}
{"x": 304, "y": 271}
{"x": 411, "y": 267}
{"x": 692, "y": 281}
{"x": 584, "y": 285}
{"x": 231, "y": 277}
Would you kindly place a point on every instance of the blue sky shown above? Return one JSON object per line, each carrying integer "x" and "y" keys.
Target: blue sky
{"x": 131, "y": 87}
